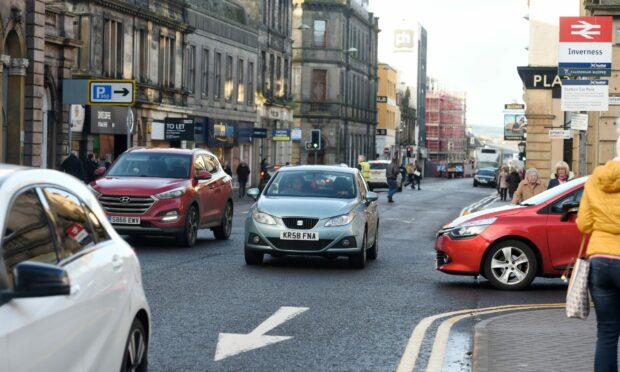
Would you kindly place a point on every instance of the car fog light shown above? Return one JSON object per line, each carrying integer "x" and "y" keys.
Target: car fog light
{"x": 346, "y": 243}
{"x": 255, "y": 239}
{"x": 170, "y": 216}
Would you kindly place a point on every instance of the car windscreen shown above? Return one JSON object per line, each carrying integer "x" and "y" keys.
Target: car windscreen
{"x": 552, "y": 193}
{"x": 317, "y": 184}
{"x": 378, "y": 165}
{"x": 151, "y": 165}
{"x": 485, "y": 173}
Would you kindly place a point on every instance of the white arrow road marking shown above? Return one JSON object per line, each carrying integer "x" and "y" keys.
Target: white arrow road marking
{"x": 229, "y": 344}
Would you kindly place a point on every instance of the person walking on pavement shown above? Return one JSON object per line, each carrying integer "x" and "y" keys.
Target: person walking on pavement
{"x": 513, "y": 180}
{"x": 364, "y": 167}
{"x": 73, "y": 165}
{"x": 243, "y": 172}
{"x": 529, "y": 187}
{"x": 417, "y": 175}
{"x": 391, "y": 173}
{"x": 502, "y": 183}
{"x": 598, "y": 216}
{"x": 90, "y": 167}
{"x": 410, "y": 169}
{"x": 227, "y": 169}
{"x": 562, "y": 175}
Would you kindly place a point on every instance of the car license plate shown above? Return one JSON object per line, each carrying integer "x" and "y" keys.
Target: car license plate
{"x": 483, "y": 181}
{"x": 299, "y": 235}
{"x": 124, "y": 220}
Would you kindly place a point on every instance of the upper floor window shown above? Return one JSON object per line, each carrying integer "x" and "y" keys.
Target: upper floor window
{"x": 82, "y": 29}
{"x": 112, "y": 55}
{"x": 320, "y": 33}
{"x": 217, "y": 69}
{"x": 228, "y": 88}
{"x": 205, "y": 73}
{"x": 190, "y": 74}
{"x": 142, "y": 48}
{"x": 279, "y": 82}
{"x": 240, "y": 82}
{"x": 166, "y": 61}
{"x": 319, "y": 85}
{"x": 250, "y": 93}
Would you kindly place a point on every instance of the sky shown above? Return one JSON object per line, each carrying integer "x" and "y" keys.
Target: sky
{"x": 473, "y": 46}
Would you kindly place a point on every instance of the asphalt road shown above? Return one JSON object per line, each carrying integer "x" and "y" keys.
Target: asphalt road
{"x": 356, "y": 320}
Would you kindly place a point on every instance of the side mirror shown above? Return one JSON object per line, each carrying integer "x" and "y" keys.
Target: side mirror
{"x": 35, "y": 279}
{"x": 569, "y": 209}
{"x": 204, "y": 175}
{"x": 253, "y": 193}
{"x": 372, "y": 197}
{"x": 100, "y": 171}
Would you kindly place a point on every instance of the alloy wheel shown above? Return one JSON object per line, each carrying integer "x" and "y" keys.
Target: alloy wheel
{"x": 135, "y": 351}
{"x": 192, "y": 226}
{"x": 510, "y": 265}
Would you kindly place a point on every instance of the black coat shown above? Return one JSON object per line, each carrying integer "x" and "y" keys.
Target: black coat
{"x": 73, "y": 166}
{"x": 513, "y": 180}
{"x": 243, "y": 171}
{"x": 90, "y": 167}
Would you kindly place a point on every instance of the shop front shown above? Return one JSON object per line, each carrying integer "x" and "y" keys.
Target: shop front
{"x": 109, "y": 131}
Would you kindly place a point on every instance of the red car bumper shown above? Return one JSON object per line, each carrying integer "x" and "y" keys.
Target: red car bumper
{"x": 462, "y": 256}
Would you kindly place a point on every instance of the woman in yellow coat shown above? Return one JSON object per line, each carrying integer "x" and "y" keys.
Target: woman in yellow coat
{"x": 599, "y": 216}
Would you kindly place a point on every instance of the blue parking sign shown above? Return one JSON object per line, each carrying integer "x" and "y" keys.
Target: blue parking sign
{"x": 101, "y": 91}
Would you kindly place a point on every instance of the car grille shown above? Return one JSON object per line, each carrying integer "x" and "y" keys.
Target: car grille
{"x": 300, "y": 245}
{"x": 126, "y": 204}
{"x": 306, "y": 223}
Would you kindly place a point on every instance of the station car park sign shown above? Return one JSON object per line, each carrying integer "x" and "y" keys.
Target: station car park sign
{"x": 111, "y": 92}
{"x": 585, "y": 46}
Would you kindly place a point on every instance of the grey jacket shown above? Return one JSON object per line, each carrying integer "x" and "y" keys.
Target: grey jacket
{"x": 391, "y": 172}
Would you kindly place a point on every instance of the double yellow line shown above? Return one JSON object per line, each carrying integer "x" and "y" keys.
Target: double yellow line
{"x": 435, "y": 362}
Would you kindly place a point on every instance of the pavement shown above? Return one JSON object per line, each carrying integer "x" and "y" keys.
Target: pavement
{"x": 532, "y": 340}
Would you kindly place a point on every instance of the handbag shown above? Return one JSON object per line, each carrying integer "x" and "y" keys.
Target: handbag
{"x": 577, "y": 296}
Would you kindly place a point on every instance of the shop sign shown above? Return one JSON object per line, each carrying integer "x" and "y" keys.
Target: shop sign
{"x": 223, "y": 133}
{"x": 296, "y": 134}
{"x": 109, "y": 120}
{"x": 560, "y": 134}
{"x": 281, "y": 134}
{"x": 515, "y": 122}
{"x": 381, "y": 132}
{"x": 259, "y": 133}
{"x": 382, "y": 99}
{"x": 179, "y": 129}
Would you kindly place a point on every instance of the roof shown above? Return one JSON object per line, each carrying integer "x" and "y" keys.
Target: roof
{"x": 335, "y": 168}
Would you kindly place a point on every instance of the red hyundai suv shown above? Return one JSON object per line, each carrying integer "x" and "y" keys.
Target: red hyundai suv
{"x": 512, "y": 245}
{"x": 158, "y": 191}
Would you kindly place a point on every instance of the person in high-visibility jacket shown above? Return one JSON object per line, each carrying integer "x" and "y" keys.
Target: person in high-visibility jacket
{"x": 363, "y": 167}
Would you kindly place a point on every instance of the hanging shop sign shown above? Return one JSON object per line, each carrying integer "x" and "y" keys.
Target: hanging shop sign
{"x": 515, "y": 122}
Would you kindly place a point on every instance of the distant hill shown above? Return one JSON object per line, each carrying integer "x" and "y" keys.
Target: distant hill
{"x": 491, "y": 131}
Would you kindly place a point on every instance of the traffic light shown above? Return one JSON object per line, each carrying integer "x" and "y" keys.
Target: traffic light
{"x": 316, "y": 139}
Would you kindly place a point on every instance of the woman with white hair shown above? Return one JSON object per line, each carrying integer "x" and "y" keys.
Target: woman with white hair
{"x": 562, "y": 175}
{"x": 598, "y": 216}
{"x": 529, "y": 187}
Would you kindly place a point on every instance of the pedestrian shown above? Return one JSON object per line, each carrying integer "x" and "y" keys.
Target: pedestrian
{"x": 529, "y": 187}
{"x": 391, "y": 173}
{"x": 90, "y": 166}
{"x": 598, "y": 216}
{"x": 513, "y": 180}
{"x": 73, "y": 165}
{"x": 417, "y": 175}
{"x": 363, "y": 166}
{"x": 562, "y": 175}
{"x": 410, "y": 169}
{"x": 243, "y": 172}
{"x": 227, "y": 169}
{"x": 502, "y": 183}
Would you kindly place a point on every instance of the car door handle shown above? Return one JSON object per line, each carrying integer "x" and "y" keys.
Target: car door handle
{"x": 117, "y": 262}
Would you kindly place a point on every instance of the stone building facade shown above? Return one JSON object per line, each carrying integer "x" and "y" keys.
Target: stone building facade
{"x": 388, "y": 113}
{"x": 335, "y": 78}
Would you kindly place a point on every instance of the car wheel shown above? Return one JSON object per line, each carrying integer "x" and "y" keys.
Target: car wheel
{"x": 136, "y": 349}
{"x": 475, "y": 183}
{"x": 253, "y": 258}
{"x": 358, "y": 260}
{"x": 510, "y": 265}
{"x": 373, "y": 252}
{"x": 222, "y": 232}
{"x": 190, "y": 232}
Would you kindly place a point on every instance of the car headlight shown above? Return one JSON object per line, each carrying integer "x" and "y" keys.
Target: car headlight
{"x": 342, "y": 220}
{"x": 174, "y": 193}
{"x": 263, "y": 218}
{"x": 470, "y": 229}
{"x": 95, "y": 192}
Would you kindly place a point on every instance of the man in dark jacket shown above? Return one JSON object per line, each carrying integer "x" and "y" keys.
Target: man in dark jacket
{"x": 243, "y": 172}
{"x": 73, "y": 166}
{"x": 391, "y": 174}
{"x": 513, "y": 180}
{"x": 90, "y": 167}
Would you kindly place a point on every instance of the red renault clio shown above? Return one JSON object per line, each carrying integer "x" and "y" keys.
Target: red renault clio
{"x": 157, "y": 191}
{"x": 512, "y": 245}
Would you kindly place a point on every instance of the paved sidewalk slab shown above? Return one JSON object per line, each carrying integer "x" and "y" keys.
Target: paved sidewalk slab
{"x": 538, "y": 340}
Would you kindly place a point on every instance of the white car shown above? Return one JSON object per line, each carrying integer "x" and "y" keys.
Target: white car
{"x": 377, "y": 175}
{"x": 71, "y": 296}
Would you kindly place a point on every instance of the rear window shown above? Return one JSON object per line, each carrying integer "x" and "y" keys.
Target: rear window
{"x": 152, "y": 165}
{"x": 485, "y": 173}
{"x": 378, "y": 165}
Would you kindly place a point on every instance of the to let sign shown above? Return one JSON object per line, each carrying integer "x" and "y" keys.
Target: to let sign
{"x": 111, "y": 92}
{"x": 585, "y": 46}
{"x": 179, "y": 129}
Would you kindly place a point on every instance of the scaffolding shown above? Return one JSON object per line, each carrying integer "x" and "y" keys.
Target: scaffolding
{"x": 446, "y": 138}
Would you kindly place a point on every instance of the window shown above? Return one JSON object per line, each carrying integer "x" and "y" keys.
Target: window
{"x": 83, "y": 32}
{"x": 217, "y": 88}
{"x": 98, "y": 229}
{"x": 112, "y": 55}
{"x": 271, "y": 74}
{"x": 250, "y": 89}
{"x": 575, "y": 196}
{"x": 205, "y": 73}
{"x": 263, "y": 71}
{"x": 279, "y": 84}
{"x": 190, "y": 84}
{"x": 166, "y": 61}
{"x": 240, "y": 82}
{"x": 71, "y": 222}
{"x": 320, "y": 33}
{"x": 228, "y": 87}
{"x": 286, "y": 78}
{"x": 199, "y": 165}
{"x": 28, "y": 234}
{"x": 142, "y": 64}
{"x": 319, "y": 87}
{"x": 212, "y": 164}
